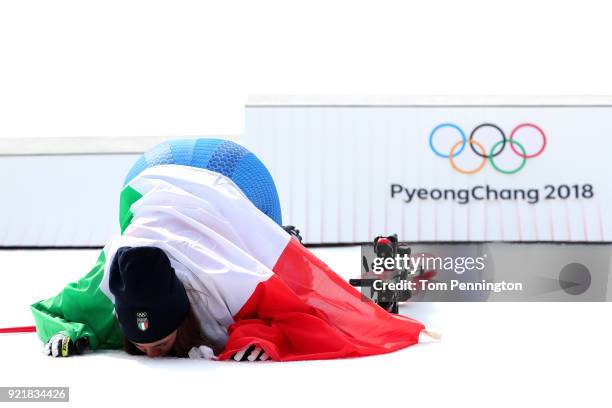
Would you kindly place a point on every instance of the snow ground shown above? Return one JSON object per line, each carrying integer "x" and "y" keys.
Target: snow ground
{"x": 491, "y": 354}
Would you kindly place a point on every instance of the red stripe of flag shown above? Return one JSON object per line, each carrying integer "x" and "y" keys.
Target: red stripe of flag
{"x": 306, "y": 312}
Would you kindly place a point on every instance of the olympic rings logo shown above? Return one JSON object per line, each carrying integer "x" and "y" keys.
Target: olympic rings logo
{"x": 478, "y": 149}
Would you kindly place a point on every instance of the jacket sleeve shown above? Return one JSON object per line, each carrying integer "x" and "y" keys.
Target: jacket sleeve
{"x": 81, "y": 309}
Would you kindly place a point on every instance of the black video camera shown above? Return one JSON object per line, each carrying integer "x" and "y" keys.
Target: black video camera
{"x": 385, "y": 247}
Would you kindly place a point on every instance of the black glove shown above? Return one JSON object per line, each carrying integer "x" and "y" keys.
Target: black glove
{"x": 291, "y": 230}
{"x": 61, "y": 345}
{"x": 251, "y": 353}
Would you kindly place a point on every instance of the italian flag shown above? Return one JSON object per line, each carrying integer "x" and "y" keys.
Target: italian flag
{"x": 256, "y": 281}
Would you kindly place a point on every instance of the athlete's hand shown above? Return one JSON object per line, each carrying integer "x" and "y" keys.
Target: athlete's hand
{"x": 202, "y": 351}
{"x": 251, "y": 353}
{"x": 61, "y": 345}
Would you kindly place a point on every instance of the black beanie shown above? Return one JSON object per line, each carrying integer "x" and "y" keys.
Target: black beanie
{"x": 150, "y": 300}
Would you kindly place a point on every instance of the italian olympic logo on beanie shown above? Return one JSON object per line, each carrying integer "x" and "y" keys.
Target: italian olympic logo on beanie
{"x": 142, "y": 321}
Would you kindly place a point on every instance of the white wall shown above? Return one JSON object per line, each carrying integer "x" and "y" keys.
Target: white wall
{"x": 61, "y": 200}
{"x": 334, "y": 166}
